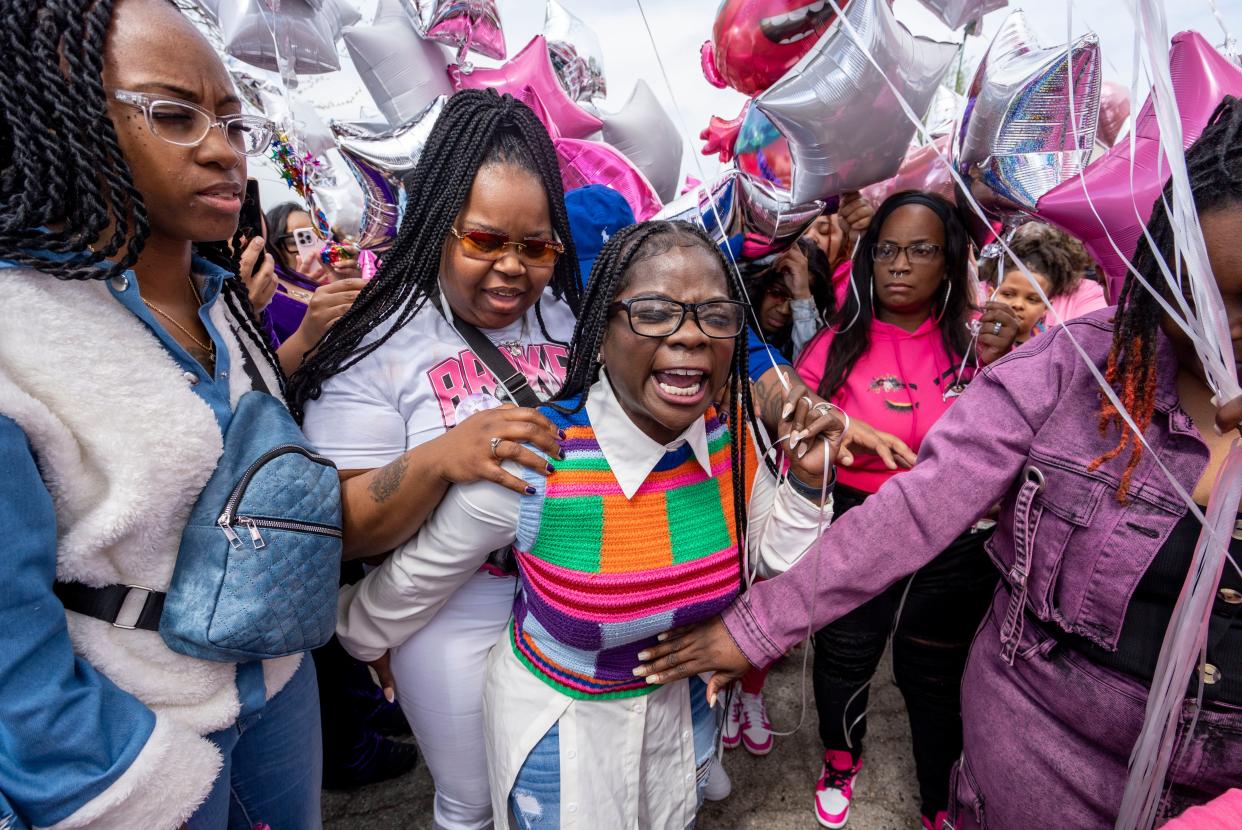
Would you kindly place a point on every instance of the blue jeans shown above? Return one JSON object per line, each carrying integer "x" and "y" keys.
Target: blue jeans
{"x": 273, "y": 764}
{"x": 535, "y": 800}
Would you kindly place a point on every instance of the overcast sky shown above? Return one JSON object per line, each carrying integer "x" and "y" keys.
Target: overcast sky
{"x": 679, "y": 27}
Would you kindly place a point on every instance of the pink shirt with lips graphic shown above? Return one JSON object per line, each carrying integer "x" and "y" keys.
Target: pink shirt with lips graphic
{"x": 424, "y": 380}
{"x": 899, "y": 385}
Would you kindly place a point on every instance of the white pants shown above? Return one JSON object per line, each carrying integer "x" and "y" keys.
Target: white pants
{"x": 439, "y": 673}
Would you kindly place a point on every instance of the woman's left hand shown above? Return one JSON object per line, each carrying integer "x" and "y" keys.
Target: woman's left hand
{"x": 805, "y": 418}
{"x": 260, "y": 281}
{"x": 692, "y": 650}
{"x": 1229, "y": 417}
{"x": 998, "y": 328}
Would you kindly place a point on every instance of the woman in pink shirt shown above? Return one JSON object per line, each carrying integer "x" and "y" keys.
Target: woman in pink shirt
{"x": 899, "y": 367}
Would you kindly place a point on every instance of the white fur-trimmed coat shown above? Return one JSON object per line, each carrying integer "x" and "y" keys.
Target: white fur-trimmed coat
{"x": 124, "y": 446}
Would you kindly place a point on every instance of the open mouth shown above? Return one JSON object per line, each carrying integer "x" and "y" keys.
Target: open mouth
{"x": 680, "y": 385}
{"x": 798, "y": 24}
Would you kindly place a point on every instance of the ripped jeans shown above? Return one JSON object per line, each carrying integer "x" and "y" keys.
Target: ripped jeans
{"x": 535, "y": 800}
{"x": 948, "y": 599}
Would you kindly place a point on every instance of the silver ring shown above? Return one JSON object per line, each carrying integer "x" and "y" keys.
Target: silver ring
{"x": 823, "y": 408}
{"x": 997, "y": 326}
{"x": 495, "y": 442}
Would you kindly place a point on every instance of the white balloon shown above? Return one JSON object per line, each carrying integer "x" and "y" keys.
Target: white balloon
{"x": 402, "y": 71}
{"x": 645, "y": 133}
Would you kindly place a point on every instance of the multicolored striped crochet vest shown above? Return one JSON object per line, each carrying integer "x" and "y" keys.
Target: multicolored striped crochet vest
{"x": 602, "y": 575}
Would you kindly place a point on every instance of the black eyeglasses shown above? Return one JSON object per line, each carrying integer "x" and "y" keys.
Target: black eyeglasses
{"x": 920, "y": 253}
{"x": 655, "y": 317}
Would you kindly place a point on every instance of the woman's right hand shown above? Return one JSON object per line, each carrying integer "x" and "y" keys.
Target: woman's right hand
{"x": 466, "y": 450}
{"x": 327, "y": 305}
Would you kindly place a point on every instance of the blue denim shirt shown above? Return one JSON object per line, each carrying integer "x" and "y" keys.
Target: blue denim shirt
{"x": 66, "y": 731}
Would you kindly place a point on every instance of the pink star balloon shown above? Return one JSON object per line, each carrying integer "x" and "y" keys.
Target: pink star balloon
{"x": 530, "y": 75}
{"x": 593, "y": 162}
{"x": 1124, "y": 188}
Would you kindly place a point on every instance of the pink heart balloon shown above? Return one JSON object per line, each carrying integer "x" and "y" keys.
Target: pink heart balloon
{"x": 1201, "y": 78}
{"x": 591, "y": 162}
{"x": 530, "y": 74}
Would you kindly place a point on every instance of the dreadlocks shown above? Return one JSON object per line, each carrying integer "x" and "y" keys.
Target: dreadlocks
{"x": 63, "y": 179}
{"x": 476, "y": 127}
{"x": 1214, "y": 165}
{"x": 609, "y": 277}
{"x": 852, "y": 341}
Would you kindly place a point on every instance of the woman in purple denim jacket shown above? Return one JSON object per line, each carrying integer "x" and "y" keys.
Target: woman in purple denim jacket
{"x": 1093, "y": 545}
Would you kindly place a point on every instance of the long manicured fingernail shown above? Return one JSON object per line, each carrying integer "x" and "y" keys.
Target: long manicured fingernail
{"x": 794, "y": 438}
{"x": 561, "y": 434}
{"x": 802, "y": 450}
{"x": 711, "y": 699}
{"x": 640, "y": 671}
{"x": 530, "y": 491}
{"x": 388, "y": 694}
{"x": 653, "y": 679}
{"x": 787, "y": 411}
{"x": 662, "y": 636}
{"x": 644, "y": 656}
{"x": 551, "y": 469}
{"x": 562, "y": 454}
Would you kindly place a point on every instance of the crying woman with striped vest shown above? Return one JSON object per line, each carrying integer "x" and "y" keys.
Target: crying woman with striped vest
{"x": 634, "y": 532}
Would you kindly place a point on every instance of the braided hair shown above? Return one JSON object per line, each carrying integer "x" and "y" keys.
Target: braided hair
{"x": 609, "y": 277}
{"x": 475, "y": 128}
{"x": 852, "y": 341}
{"x": 1214, "y": 165}
{"x": 63, "y": 178}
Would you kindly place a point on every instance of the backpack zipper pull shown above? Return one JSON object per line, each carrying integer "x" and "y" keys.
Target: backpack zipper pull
{"x": 235, "y": 541}
{"x": 256, "y": 538}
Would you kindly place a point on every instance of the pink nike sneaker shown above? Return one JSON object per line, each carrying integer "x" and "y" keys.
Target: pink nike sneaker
{"x": 835, "y": 789}
{"x": 756, "y": 728}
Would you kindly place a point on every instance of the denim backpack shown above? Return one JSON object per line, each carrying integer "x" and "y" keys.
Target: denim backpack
{"x": 259, "y": 563}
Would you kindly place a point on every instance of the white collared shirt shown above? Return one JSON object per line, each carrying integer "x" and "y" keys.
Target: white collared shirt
{"x": 626, "y": 762}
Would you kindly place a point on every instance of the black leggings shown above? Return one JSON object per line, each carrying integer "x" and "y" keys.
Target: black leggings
{"x": 947, "y": 600}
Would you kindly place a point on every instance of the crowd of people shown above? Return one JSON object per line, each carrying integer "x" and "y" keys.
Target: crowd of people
{"x": 589, "y": 478}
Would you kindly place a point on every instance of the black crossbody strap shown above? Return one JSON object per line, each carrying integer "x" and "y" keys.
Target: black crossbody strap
{"x": 505, "y": 373}
{"x": 107, "y": 603}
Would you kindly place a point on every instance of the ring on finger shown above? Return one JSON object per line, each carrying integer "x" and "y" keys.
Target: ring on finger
{"x": 997, "y": 326}
{"x": 808, "y": 400}
{"x": 495, "y": 442}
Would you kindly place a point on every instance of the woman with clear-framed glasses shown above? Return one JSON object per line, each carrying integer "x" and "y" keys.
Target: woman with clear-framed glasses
{"x": 899, "y": 362}
{"x": 127, "y": 345}
{"x": 635, "y": 525}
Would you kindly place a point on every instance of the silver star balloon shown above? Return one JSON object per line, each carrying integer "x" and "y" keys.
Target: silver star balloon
{"x": 380, "y": 162}
{"x": 645, "y": 133}
{"x": 843, "y": 123}
{"x": 576, "y": 54}
{"x": 746, "y": 216}
{"x": 292, "y": 37}
{"x": 402, "y": 71}
{"x": 1020, "y": 136}
{"x": 957, "y": 13}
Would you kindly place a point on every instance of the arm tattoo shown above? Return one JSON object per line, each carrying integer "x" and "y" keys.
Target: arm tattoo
{"x": 770, "y": 397}
{"x": 388, "y": 480}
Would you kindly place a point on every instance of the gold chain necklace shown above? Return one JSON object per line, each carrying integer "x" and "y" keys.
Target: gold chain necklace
{"x": 208, "y": 348}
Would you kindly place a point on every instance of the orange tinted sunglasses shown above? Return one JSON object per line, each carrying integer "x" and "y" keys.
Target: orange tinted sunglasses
{"x": 489, "y": 246}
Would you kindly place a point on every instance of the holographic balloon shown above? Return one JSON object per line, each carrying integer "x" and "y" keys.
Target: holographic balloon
{"x": 957, "y": 13}
{"x": 380, "y": 162}
{"x": 647, "y": 136}
{"x": 761, "y": 151}
{"x": 755, "y": 42}
{"x": 845, "y": 127}
{"x": 465, "y": 25}
{"x": 1123, "y": 188}
{"x": 592, "y": 162}
{"x": 529, "y": 77}
{"x": 749, "y": 218}
{"x": 575, "y": 53}
{"x": 1020, "y": 137}
{"x": 402, "y": 71}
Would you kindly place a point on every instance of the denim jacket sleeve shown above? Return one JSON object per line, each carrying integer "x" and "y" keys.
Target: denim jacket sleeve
{"x": 967, "y": 463}
{"x": 75, "y": 750}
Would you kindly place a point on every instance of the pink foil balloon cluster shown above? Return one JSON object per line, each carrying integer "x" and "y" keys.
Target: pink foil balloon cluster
{"x": 1123, "y": 185}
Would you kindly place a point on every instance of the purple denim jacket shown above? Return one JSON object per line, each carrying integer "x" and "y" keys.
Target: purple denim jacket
{"x": 1022, "y": 434}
